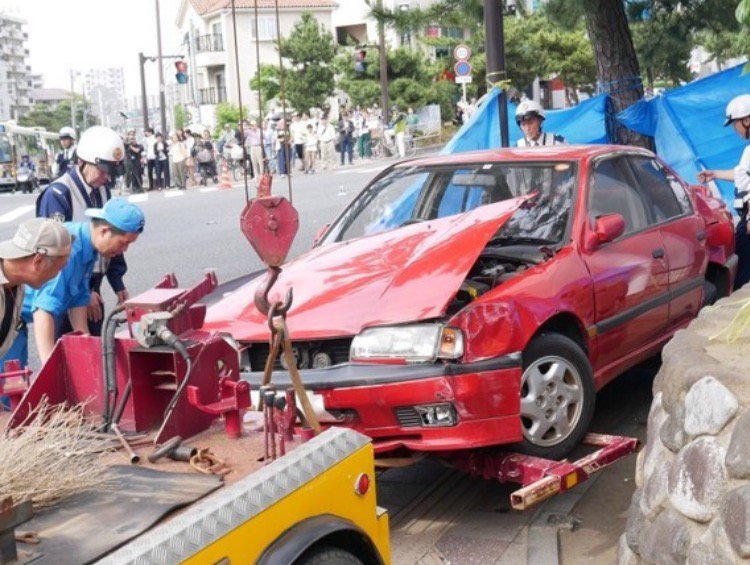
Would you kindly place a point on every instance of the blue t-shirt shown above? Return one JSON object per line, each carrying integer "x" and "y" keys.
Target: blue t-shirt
{"x": 70, "y": 288}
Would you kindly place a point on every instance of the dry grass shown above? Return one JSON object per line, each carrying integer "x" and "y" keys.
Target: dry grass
{"x": 52, "y": 456}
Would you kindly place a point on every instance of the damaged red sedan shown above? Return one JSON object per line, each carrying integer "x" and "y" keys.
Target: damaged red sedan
{"x": 482, "y": 299}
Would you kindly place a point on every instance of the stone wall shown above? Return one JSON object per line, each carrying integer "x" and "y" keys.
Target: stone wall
{"x": 692, "y": 503}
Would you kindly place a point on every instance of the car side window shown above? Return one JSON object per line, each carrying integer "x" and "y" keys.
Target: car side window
{"x": 662, "y": 197}
{"x": 611, "y": 191}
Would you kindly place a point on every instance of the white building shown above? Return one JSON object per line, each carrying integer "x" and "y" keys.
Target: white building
{"x": 105, "y": 90}
{"x": 207, "y": 25}
{"x": 16, "y": 80}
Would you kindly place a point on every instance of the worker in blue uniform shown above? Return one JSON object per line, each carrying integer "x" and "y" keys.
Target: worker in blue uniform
{"x": 109, "y": 232}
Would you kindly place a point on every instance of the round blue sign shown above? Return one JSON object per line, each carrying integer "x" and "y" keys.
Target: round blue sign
{"x": 462, "y": 68}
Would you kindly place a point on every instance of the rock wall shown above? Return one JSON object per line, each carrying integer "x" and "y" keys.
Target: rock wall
{"x": 692, "y": 502}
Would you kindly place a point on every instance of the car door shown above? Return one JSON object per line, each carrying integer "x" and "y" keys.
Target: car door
{"x": 629, "y": 274}
{"x": 682, "y": 231}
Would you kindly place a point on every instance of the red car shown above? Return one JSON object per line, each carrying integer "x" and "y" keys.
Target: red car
{"x": 482, "y": 299}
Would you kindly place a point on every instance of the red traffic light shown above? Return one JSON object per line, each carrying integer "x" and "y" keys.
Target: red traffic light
{"x": 181, "y": 66}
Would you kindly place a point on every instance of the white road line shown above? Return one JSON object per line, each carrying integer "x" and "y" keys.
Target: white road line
{"x": 16, "y": 213}
{"x": 208, "y": 189}
{"x": 138, "y": 198}
{"x": 360, "y": 171}
{"x": 173, "y": 193}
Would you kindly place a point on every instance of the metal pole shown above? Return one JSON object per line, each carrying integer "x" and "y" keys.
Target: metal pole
{"x": 383, "y": 62}
{"x": 144, "y": 102}
{"x": 84, "y": 117}
{"x": 162, "y": 98}
{"x": 239, "y": 95}
{"x": 495, "y": 48}
{"x": 72, "y": 99}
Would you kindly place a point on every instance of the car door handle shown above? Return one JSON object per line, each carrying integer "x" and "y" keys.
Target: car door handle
{"x": 658, "y": 253}
{"x": 701, "y": 235}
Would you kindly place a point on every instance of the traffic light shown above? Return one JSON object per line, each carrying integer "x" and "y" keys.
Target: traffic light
{"x": 360, "y": 61}
{"x": 181, "y": 75}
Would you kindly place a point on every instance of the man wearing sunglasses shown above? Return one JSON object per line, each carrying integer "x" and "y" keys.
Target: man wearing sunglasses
{"x": 100, "y": 159}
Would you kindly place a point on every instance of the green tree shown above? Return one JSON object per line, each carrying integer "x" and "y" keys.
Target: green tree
{"x": 58, "y": 116}
{"x": 228, "y": 113}
{"x": 269, "y": 83}
{"x": 311, "y": 51}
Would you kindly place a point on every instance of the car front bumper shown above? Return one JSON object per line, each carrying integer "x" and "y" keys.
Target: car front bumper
{"x": 380, "y": 400}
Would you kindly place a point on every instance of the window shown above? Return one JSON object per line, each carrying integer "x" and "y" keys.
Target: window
{"x": 266, "y": 28}
{"x": 657, "y": 189}
{"x": 612, "y": 192}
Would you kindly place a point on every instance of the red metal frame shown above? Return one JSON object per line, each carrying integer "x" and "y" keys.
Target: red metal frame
{"x": 543, "y": 478}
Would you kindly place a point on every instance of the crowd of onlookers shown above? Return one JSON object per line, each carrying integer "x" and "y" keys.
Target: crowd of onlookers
{"x": 278, "y": 145}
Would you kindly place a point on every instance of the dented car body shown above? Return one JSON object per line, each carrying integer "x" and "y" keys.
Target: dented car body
{"x": 482, "y": 299}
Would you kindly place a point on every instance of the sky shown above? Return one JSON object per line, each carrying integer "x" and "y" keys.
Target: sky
{"x": 83, "y": 34}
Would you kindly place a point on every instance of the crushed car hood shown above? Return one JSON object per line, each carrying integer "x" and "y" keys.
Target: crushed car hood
{"x": 403, "y": 275}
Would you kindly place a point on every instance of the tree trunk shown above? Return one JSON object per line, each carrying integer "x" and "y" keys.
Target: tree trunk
{"x": 616, "y": 62}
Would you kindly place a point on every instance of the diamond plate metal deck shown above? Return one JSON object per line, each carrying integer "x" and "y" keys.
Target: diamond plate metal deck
{"x": 225, "y": 510}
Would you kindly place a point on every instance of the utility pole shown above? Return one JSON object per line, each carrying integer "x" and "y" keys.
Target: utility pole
{"x": 144, "y": 103}
{"x": 383, "y": 62}
{"x": 495, "y": 49}
{"x": 72, "y": 99}
{"x": 162, "y": 98}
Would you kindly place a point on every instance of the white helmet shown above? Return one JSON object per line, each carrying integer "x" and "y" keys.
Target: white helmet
{"x": 103, "y": 147}
{"x": 738, "y": 108}
{"x": 529, "y": 108}
{"x": 68, "y": 131}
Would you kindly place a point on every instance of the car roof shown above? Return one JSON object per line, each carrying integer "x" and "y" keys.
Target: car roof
{"x": 514, "y": 154}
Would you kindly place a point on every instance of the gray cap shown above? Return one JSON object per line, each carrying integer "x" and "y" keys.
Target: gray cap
{"x": 38, "y": 235}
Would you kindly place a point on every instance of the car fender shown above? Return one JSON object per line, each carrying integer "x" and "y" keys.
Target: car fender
{"x": 294, "y": 542}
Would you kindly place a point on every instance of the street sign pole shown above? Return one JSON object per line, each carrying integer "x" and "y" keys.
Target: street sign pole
{"x": 495, "y": 47}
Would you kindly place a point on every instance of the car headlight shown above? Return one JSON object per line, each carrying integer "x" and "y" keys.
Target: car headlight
{"x": 417, "y": 343}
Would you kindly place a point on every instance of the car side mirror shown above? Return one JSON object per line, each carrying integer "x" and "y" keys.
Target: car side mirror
{"x": 320, "y": 234}
{"x": 607, "y": 228}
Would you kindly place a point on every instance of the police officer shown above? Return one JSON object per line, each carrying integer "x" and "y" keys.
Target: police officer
{"x": 109, "y": 232}
{"x": 100, "y": 158}
{"x": 738, "y": 116}
{"x": 65, "y": 159}
{"x": 38, "y": 251}
{"x": 529, "y": 117}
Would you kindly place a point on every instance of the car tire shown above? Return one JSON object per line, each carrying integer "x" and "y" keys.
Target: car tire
{"x": 328, "y": 555}
{"x": 557, "y": 396}
{"x": 710, "y": 293}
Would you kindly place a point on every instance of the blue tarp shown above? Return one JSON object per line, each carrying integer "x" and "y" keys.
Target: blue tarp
{"x": 585, "y": 123}
{"x": 687, "y": 125}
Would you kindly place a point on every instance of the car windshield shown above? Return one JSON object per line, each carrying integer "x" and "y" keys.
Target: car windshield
{"x": 408, "y": 195}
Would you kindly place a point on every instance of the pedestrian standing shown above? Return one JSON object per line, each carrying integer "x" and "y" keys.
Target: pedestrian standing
{"x": 311, "y": 149}
{"x": 148, "y": 143}
{"x": 161, "y": 153}
{"x": 346, "y": 138}
{"x": 269, "y": 140}
{"x": 297, "y": 131}
{"x": 65, "y": 159}
{"x": 38, "y": 251}
{"x": 254, "y": 148}
{"x": 178, "y": 154}
{"x": 284, "y": 149}
{"x": 738, "y": 116}
{"x": 399, "y": 130}
{"x": 189, "y": 138}
{"x": 133, "y": 163}
{"x": 327, "y": 137}
{"x": 530, "y": 117}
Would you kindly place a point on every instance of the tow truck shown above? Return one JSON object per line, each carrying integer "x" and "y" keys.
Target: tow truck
{"x": 298, "y": 492}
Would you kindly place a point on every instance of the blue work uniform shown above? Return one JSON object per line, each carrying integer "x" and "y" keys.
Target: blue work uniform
{"x": 66, "y": 200}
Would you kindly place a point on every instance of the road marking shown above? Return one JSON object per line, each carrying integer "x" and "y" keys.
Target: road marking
{"x": 16, "y": 213}
{"x": 138, "y": 198}
{"x": 361, "y": 171}
{"x": 173, "y": 193}
{"x": 208, "y": 189}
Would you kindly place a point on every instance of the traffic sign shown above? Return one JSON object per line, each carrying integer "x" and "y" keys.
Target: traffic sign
{"x": 462, "y": 52}
{"x": 463, "y": 79}
{"x": 462, "y": 69}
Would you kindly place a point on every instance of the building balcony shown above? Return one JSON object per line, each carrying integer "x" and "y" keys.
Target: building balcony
{"x": 211, "y": 95}
{"x": 209, "y": 43}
